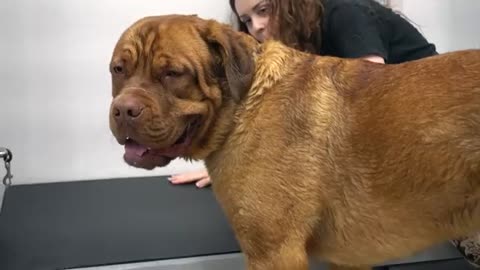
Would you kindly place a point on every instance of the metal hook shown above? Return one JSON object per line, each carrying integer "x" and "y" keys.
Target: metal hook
{"x": 7, "y": 179}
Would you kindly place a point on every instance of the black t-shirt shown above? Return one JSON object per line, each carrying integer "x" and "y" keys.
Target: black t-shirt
{"x": 357, "y": 28}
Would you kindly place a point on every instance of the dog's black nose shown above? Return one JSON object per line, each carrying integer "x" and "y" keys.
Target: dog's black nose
{"x": 127, "y": 108}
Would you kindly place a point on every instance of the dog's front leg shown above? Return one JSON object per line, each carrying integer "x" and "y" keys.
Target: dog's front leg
{"x": 339, "y": 267}
{"x": 271, "y": 245}
{"x": 286, "y": 258}
{"x": 273, "y": 231}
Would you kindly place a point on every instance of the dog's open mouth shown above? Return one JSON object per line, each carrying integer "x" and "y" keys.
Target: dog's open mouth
{"x": 142, "y": 156}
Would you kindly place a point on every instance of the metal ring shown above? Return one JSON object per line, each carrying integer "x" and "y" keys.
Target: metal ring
{"x": 9, "y": 156}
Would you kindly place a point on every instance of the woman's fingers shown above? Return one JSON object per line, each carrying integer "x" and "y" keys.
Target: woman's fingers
{"x": 203, "y": 182}
{"x": 188, "y": 177}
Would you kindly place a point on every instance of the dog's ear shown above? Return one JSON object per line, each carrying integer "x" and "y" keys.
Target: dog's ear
{"x": 233, "y": 54}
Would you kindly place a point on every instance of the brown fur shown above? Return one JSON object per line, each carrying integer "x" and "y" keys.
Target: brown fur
{"x": 352, "y": 162}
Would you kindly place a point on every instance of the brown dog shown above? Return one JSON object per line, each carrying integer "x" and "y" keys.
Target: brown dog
{"x": 345, "y": 160}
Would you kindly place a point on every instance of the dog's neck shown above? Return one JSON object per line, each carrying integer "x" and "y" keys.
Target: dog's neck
{"x": 272, "y": 61}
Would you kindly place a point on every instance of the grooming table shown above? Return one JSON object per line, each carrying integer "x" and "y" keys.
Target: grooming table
{"x": 136, "y": 223}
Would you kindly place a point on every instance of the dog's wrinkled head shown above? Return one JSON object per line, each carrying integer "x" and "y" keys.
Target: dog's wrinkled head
{"x": 171, "y": 76}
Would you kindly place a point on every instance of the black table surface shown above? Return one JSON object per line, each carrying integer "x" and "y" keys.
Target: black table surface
{"x": 101, "y": 222}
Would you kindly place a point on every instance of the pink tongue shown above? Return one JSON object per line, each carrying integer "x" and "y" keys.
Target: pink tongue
{"x": 133, "y": 148}
{"x": 136, "y": 150}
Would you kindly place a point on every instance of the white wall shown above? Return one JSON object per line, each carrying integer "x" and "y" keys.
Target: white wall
{"x": 55, "y": 85}
{"x": 450, "y": 24}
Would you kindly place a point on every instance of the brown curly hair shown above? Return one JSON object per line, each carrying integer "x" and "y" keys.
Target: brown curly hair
{"x": 297, "y": 23}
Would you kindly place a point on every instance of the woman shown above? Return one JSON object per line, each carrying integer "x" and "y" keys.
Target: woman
{"x": 342, "y": 28}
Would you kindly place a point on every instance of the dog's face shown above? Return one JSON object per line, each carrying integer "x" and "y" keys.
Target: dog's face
{"x": 170, "y": 77}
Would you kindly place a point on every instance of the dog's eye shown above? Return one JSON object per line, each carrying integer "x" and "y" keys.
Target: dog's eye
{"x": 172, "y": 74}
{"x": 118, "y": 69}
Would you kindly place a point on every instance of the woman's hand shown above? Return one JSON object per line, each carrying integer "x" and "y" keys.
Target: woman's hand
{"x": 201, "y": 178}
{"x": 374, "y": 59}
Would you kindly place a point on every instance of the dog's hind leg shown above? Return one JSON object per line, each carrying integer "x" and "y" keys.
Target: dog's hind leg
{"x": 339, "y": 267}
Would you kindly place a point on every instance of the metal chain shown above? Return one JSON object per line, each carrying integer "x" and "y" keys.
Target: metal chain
{"x": 7, "y": 156}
